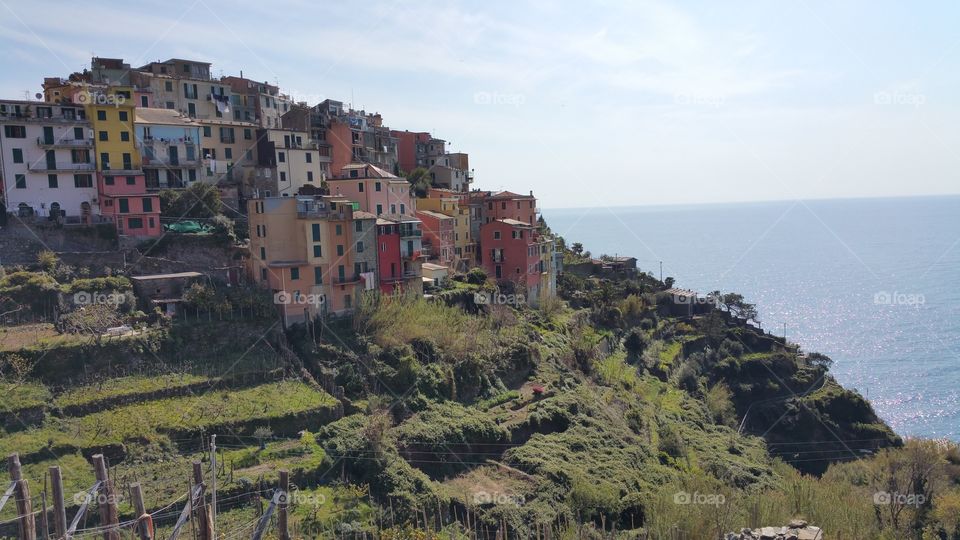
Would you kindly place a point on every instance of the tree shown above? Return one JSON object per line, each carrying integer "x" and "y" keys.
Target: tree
{"x": 736, "y": 306}
{"x": 419, "y": 179}
{"x": 577, "y": 248}
{"x": 200, "y": 200}
{"x": 93, "y": 319}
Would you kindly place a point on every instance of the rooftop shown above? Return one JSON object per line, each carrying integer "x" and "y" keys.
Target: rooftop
{"x": 436, "y": 215}
{"x": 515, "y": 223}
{"x": 166, "y": 276}
{"x": 163, "y": 116}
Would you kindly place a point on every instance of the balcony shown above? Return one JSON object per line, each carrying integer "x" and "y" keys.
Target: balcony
{"x": 410, "y": 233}
{"x": 107, "y": 171}
{"x": 61, "y": 167}
{"x": 64, "y": 143}
{"x": 167, "y": 162}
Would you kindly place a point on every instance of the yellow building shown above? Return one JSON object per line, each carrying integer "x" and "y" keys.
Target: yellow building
{"x": 110, "y": 111}
{"x": 462, "y": 241}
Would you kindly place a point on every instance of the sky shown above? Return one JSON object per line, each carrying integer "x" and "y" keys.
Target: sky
{"x": 588, "y": 103}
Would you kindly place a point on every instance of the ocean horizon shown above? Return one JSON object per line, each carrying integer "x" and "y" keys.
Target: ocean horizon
{"x": 870, "y": 282}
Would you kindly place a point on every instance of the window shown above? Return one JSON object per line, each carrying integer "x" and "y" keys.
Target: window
{"x": 125, "y": 136}
{"x": 152, "y": 223}
{"x": 84, "y": 181}
{"x": 247, "y": 134}
{"x": 376, "y": 186}
{"x": 360, "y": 187}
{"x": 359, "y": 226}
{"x": 192, "y": 175}
{"x": 281, "y": 157}
{"x": 393, "y": 209}
{"x": 315, "y": 231}
{"x": 206, "y": 131}
{"x": 263, "y": 253}
{"x": 317, "y": 251}
{"x": 78, "y": 133}
{"x": 294, "y": 274}
{"x": 102, "y": 136}
{"x": 496, "y": 235}
{"x": 144, "y": 101}
{"x": 52, "y": 181}
{"x": 147, "y": 204}
{"x": 339, "y": 250}
{"x": 228, "y": 153}
{"x": 379, "y": 209}
{"x": 359, "y": 247}
{"x": 134, "y": 222}
{"x": 339, "y": 229}
{"x": 80, "y": 156}
{"x": 108, "y": 180}
{"x": 168, "y": 86}
{"x": 309, "y": 157}
{"x": 102, "y": 116}
{"x": 354, "y": 174}
{"x": 283, "y": 176}
{"x": 127, "y": 161}
{"x": 171, "y": 105}
{"x": 309, "y": 176}
{"x": 21, "y": 181}
{"x": 403, "y": 208}
{"x": 15, "y": 132}
{"x": 317, "y": 275}
{"x": 123, "y": 116}
{"x": 124, "y": 206}
{"x": 263, "y": 274}
{"x": 18, "y": 155}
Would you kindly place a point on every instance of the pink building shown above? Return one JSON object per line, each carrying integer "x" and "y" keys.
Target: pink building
{"x": 376, "y": 190}
{"x": 124, "y": 198}
{"x": 506, "y": 205}
{"x": 516, "y": 252}
{"x": 438, "y": 233}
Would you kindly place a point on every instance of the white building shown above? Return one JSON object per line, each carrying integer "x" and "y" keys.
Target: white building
{"x": 46, "y": 159}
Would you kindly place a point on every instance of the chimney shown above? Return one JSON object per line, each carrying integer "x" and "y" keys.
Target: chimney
{"x": 531, "y": 193}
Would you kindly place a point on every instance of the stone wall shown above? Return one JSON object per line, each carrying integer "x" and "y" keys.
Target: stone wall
{"x": 795, "y": 530}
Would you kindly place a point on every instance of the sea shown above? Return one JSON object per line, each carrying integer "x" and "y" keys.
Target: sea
{"x": 872, "y": 283}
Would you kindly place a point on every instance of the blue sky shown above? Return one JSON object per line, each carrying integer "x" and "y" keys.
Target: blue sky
{"x": 593, "y": 103}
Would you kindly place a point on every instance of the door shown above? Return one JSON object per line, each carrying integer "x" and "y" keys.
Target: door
{"x": 51, "y": 160}
{"x": 174, "y": 155}
{"x": 191, "y": 110}
{"x": 409, "y": 248}
{"x": 48, "y": 134}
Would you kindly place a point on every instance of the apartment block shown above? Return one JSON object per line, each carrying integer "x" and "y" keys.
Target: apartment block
{"x": 438, "y": 233}
{"x": 169, "y": 146}
{"x": 376, "y": 190}
{"x": 286, "y": 162}
{"x": 400, "y": 254}
{"x": 46, "y": 161}
{"x": 355, "y": 137}
{"x": 513, "y": 251}
{"x": 312, "y": 250}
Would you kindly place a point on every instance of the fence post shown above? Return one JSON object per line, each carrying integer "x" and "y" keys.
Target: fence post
{"x": 282, "y": 507}
{"x": 59, "y": 510}
{"x": 144, "y": 526}
{"x": 202, "y": 514}
{"x": 26, "y": 525}
{"x": 106, "y": 503}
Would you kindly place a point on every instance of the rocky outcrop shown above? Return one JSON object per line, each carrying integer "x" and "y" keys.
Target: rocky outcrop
{"x": 796, "y": 530}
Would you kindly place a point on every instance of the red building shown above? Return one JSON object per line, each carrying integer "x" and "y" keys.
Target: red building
{"x": 506, "y": 205}
{"x": 124, "y": 198}
{"x": 438, "y": 233}
{"x": 407, "y": 148}
{"x": 399, "y": 254}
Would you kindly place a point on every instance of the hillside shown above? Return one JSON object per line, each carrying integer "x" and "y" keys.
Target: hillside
{"x": 602, "y": 414}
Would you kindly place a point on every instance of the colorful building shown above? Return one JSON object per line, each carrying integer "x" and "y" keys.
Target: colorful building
{"x": 311, "y": 253}
{"x": 378, "y": 191}
{"x": 46, "y": 161}
{"x": 120, "y": 178}
{"x": 454, "y": 204}
{"x": 399, "y": 254}
{"x": 169, "y": 145}
{"x": 515, "y": 252}
{"x": 438, "y": 234}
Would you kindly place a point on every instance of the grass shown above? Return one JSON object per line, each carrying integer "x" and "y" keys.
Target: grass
{"x": 124, "y": 386}
{"x": 669, "y": 354}
{"x": 23, "y": 395}
{"x": 614, "y": 370}
{"x": 146, "y": 420}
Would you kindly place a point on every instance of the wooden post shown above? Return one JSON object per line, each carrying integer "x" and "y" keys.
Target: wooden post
{"x": 59, "y": 510}
{"x": 143, "y": 527}
{"x": 282, "y": 527}
{"x": 202, "y": 515}
{"x": 26, "y": 525}
{"x": 107, "y": 502}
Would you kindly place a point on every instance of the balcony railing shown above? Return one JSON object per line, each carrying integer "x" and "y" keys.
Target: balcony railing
{"x": 64, "y": 143}
{"x": 122, "y": 172}
{"x": 44, "y": 167}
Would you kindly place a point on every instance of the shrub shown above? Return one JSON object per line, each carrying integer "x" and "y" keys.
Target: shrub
{"x": 477, "y": 276}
